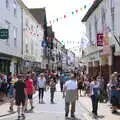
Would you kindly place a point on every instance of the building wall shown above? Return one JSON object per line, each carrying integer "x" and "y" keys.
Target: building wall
{"x": 11, "y": 48}
{"x": 71, "y": 60}
{"x": 32, "y": 38}
{"x": 11, "y": 21}
{"x": 106, "y": 5}
{"x": 108, "y": 8}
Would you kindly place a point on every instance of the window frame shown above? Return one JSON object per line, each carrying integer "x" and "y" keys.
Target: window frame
{"x": 15, "y": 8}
{"x": 7, "y": 4}
{"x": 15, "y": 36}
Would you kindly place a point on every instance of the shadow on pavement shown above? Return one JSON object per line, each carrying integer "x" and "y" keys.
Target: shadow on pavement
{"x": 101, "y": 116}
{"x": 118, "y": 113}
{"x": 72, "y": 119}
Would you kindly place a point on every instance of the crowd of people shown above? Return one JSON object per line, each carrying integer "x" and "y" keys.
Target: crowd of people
{"x": 98, "y": 89}
{"x": 21, "y": 87}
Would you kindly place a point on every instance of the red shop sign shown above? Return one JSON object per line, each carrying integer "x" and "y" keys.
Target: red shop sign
{"x": 100, "y": 37}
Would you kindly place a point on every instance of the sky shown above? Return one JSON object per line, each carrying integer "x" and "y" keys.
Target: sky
{"x": 68, "y": 30}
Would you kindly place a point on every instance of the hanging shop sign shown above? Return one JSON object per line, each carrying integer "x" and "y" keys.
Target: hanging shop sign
{"x": 100, "y": 37}
{"x": 4, "y": 34}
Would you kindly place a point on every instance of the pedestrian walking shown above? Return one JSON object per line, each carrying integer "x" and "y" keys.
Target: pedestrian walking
{"x": 3, "y": 87}
{"x": 41, "y": 83}
{"x": 52, "y": 89}
{"x": 20, "y": 95}
{"x": 30, "y": 89}
{"x": 11, "y": 91}
{"x": 71, "y": 95}
{"x": 61, "y": 81}
{"x": 115, "y": 92}
{"x": 94, "y": 93}
{"x": 80, "y": 85}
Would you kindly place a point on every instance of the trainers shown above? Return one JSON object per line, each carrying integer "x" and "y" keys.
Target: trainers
{"x": 66, "y": 115}
{"x": 18, "y": 117}
{"x": 73, "y": 116}
{"x": 23, "y": 116}
{"x": 32, "y": 107}
{"x": 11, "y": 109}
{"x": 26, "y": 110}
{"x": 114, "y": 111}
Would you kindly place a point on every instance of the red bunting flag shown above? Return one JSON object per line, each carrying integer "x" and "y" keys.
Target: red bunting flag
{"x": 76, "y": 11}
{"x": 72, "y": 12}
{"x": 65, "y": 16}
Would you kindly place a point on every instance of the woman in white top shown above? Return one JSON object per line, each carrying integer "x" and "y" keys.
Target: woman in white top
{"x": 41, "y": 83}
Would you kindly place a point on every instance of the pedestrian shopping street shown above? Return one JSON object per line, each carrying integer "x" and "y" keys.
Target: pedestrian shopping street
{"x": 51, "y": 111}
{"x": 58, "y": 54}
{"x": 56, "y": 111}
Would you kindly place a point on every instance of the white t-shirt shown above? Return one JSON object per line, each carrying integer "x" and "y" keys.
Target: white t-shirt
{"x": 41, "y": 83}
{"x": 71, "y": 85}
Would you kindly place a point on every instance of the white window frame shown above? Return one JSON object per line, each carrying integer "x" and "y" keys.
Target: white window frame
{"x": 15, "y": 7}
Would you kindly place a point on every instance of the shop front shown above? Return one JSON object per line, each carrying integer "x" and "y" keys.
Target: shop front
{"x": 106, "y": 62}
{"x": 93, "y": 64}
{"x": 4, "y": 66}
{"x": 117, "y": 62}
{"x": 9, "y": 64}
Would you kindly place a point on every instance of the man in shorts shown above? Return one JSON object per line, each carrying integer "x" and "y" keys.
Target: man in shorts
{"x": 20, "y": 95}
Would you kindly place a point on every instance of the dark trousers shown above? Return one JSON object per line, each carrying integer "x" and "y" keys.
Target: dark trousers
{"x": 41, "y": 93}
{"x": 52, "y": 92}
{"x": 67, "y": 105}
{"x": 94, "y": 104}
{"x": 61, "y": 86}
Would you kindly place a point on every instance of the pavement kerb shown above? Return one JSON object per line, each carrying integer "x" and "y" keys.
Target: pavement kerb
{"x": 7, "y": 114}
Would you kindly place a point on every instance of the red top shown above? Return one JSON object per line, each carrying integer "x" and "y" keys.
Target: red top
{"x": 29, "y": 86}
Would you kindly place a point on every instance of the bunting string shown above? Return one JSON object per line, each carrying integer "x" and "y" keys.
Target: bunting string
{"x": 76, "y": 11}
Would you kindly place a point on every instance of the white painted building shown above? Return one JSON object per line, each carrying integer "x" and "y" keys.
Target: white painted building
{"x": 71, "y": 60}
{"x": 10, "y": 49}
{"x": 33, "y": 34}
{"x": 103, "y": 17}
